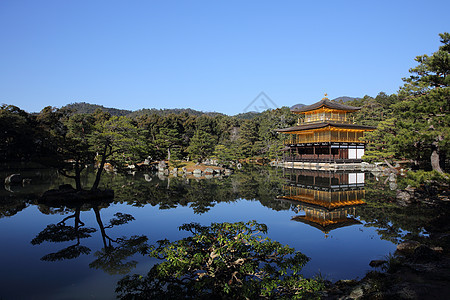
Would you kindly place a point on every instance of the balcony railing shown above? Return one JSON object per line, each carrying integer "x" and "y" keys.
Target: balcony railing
{"x": 320, "y": 139}
{"x": 321, "y": 120}
{"x": 342, "y": 118}
{"x": 322, "y": 158}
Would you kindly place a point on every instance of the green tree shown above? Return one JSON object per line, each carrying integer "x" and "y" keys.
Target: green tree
{"x": 201, "y": 145}
{"x": 421, "y": 126}
{"x": 423, "y": 113}
{"x": 65, "y": 138}
{"x": 248, "y": 138}
{"x": 167, "y": 138}
{"x": 270, "y": 142}
{"x": 223, "y": 154}
{"x": 75, "y": 148}
{"x": 120, "y": 142}
{"x": 222, "y": 261}
{"x": 432, "y": 71}
{"x": 381, "y": 142}
{"x": 17, "y": 136}
{"x": 424, "y": 126}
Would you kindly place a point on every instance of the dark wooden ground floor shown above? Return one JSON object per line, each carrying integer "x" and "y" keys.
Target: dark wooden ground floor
{"x": 324, "y": 152}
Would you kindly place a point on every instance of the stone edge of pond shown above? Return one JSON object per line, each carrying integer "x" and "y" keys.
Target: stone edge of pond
{"x": 66, "y": 194}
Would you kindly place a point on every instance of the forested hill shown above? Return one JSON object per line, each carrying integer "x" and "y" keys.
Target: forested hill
{"x": 168, "y": 111}
{"x": 83, "y": 107}
{"x": 87, "y": 108}
{"x": 247, "y": 116}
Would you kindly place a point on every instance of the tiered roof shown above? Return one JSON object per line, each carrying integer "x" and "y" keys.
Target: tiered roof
{"x": 326, "y": 103}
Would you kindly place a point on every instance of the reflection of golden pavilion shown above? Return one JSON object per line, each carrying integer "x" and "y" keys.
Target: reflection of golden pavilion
{"x": 326, "y": 198}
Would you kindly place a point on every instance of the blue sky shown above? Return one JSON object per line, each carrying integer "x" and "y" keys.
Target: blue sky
{"x": 209, "y": 55}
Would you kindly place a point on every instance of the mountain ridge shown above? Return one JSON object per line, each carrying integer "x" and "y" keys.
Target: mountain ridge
{"x": 84, "y": 107}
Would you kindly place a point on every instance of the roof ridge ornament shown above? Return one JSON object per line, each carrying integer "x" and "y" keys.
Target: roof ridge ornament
{"x": 325, "y": 98}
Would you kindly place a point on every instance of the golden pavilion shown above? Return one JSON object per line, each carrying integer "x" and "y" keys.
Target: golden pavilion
{"x": 325, "y": 133}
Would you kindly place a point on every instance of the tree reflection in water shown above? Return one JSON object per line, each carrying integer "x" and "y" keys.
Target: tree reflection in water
{"x": 61, "y": 232}
{"x": 112, "y": 258}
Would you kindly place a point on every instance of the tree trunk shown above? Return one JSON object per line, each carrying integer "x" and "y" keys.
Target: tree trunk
{"x": 435, "y": 159}
{"x": 100, "y": 169}
{"x": 77, "y": 176}
{"x": 168, "y": 153}
{"x": 390, "y": 166}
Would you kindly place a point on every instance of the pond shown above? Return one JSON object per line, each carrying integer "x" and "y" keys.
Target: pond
{"x": 341, "y": 221}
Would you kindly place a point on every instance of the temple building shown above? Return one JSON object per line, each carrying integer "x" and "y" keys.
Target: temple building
{"x": 325, "y": 133}
{"x": 328, "y": 200}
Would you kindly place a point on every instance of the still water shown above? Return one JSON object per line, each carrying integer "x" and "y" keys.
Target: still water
{"x": 76, "y": 252}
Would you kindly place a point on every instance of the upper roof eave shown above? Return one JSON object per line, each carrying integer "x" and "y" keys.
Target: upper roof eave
{"x": 324, "y": 102}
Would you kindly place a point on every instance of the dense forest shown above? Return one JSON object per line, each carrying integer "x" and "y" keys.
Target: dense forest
{"x": 69, "y": 132}
{"x": 413, "y": 125}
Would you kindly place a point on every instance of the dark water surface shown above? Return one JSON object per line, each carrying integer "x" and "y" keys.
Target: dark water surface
{"x": 58, "y": 252}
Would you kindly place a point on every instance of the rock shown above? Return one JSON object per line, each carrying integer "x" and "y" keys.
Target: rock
{"x": 392, "y": 177}
{"x": 393, "y": 186}
{"x": 13, "y": 179}
{"x": 377, "y": 263}
{"x": 423, "y": 253}
{"x": 410, "y": 189}
{"x": 408, "y": 246}
{"x": 356, "y": 293}
{"x": 347, "y": 282}
{"x": 197, "y": 171}
{"x": 404, "y": 198}
{"x": 437, "y": 249}
{"x": 147, "y": 177}
{"x": 66, "y": 187}
{"x": 174, "y": 170}
{"x": 162, "y": 164}
{"x": 184, "y": 169}
{"x": 209, "y": 171}
{"x": 377, "y": 170}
